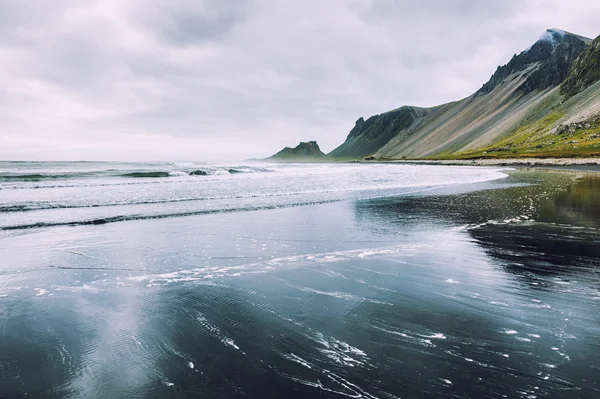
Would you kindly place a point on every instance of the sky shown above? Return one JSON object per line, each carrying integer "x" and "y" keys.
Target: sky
{"x": 182, "y": 80}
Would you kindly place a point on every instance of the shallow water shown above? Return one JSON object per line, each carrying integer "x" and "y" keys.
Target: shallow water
{"x": 53, "y": 194}
{"x": 406, "y": 289}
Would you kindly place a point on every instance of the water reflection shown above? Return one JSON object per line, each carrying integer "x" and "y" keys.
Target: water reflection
{"x": 453, "y": 295}
{"x": 577, "y": 205}
{"x": 548, "y": 226}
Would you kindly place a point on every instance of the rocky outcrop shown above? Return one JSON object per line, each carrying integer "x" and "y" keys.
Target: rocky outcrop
{"x": 368, "y": 136}
{"x": 575, "y": 127}
{"x": 584, "y": 72}
{"x": 308, "y": 151}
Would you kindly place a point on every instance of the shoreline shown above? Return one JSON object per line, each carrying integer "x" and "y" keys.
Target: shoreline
{"x": 486, "y": 271}
{"x": 584, "y": 164}
{"x": 513, "y": 162}
{"x": 591, "y": 162}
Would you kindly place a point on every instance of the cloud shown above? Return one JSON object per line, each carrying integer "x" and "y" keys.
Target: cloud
{"x": 215, "y": 79}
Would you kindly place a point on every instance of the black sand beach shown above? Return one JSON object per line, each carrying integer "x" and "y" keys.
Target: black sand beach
{"x": 486, "y": 290}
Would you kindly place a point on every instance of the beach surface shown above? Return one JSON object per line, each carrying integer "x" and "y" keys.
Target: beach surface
{"x": 331, "y": 281}
{"x": 557, "y": 162}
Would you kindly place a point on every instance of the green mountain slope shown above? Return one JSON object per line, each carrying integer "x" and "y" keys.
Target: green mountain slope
{"x": 584, "y": 72}
{"x": 368, "y": 136}
{"x": 522, "y": 100}
{"x": 556, "y": 128}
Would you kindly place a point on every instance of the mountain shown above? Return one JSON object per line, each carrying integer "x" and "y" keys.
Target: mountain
{"x": 368, "y": 136}
{"x": 552, "y": 56}
{"x": 308, "y": 151}
{"x": 546, "y": 87}
{"x": 584, "y": 72}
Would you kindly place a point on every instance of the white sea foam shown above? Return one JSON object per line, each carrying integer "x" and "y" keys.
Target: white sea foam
{"x": 436, "y": 336}
{"x": 211, "y": 272}
{"x": 167, "y": 190}
{"x": 339, "y": 351}
{"x": 230, "y": 342}
{"x": 297, "y": 359}
{"x": 216, "y": 332}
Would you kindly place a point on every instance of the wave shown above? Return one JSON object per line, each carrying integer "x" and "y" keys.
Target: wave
{"x": 16, "y": 177}
{"x": 45, "y": 205}
{"x": 124, "y": 218}
{"x": 40, "y": 206}
{"x": 146, "y": 174}
{"x": 72, "y": 185}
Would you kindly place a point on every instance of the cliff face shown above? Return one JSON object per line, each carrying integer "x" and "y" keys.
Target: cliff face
{"x": 524, "y": 89}
{"x": 302, "y": 152}
{"x": 553, "y": 53}
{"x": 368, "y": 136}
{"x": 584, "y": 72}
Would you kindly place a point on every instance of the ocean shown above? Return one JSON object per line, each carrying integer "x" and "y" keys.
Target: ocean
{"x": 52, "y": 194}
{"x": 254, "y": 279}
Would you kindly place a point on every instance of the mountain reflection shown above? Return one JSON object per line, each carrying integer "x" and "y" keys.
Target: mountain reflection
{"x": 542, "y": 222}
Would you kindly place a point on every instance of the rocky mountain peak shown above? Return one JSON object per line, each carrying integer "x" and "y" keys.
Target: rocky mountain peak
{"x": 553, "y": 53}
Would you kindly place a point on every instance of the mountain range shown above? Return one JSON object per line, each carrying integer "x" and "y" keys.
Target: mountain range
{"x": 545, "y": 102}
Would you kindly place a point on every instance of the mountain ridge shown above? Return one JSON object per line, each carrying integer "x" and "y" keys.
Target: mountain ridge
{"x": 527, "y": 82}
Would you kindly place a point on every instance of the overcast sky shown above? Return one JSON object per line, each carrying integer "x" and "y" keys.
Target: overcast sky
{"x": 227, "y": 79}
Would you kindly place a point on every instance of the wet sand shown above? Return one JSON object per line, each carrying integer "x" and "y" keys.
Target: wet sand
{"x": 489, "y": 290}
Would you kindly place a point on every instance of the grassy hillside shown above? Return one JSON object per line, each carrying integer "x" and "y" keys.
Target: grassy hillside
{"x": 473, "y": 122}
{"x": 544, "y": 103}
{"x": 556, "y": 128}
{"x": 584, "y": 72}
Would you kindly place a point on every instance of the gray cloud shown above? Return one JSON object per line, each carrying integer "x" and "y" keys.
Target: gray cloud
{"x": 191, "y": 22}
{"x": 211, "y": 79}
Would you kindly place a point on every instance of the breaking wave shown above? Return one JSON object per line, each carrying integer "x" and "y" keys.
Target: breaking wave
{"x": 146, "y": 174}
{"x": 123, "y": 218}
{"x": 71, "y": 194}
{"x": 188, "y": 170}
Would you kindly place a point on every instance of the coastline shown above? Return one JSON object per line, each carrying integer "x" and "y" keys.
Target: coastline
{"x": 592, "y": 163}
{"x": 515, "y": 162}
{"x": 584, "y": 164}
{"x": 443, "y": 289}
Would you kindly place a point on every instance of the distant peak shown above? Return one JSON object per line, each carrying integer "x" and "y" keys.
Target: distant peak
{"x": 547, "y": 60}
{"x": 557, "y": 31}
{"x": 552, "y": 36}
{"x": 555, "y": 35}
{"x": 304, "y": 150}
